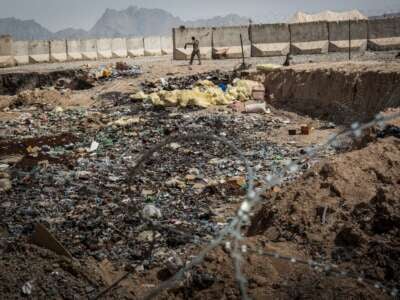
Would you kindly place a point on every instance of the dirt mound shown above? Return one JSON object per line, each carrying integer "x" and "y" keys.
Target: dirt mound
{"x": 345, "y": 210}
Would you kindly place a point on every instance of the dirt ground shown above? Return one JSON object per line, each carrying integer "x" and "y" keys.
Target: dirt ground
{"x": 66, "y": 161}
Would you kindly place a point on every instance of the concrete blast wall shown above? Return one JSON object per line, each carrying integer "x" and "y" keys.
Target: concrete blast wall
{"x": 384, "y": 34}
{"x": 309, "y": 38}
{"x": 135, "y": 47}
{"x": 58, "y": 51}
{"x": 340, "y": 32}
{"x": 74, "y": 50}
{"x": 21, "y": 52}
{"x": 118, "y": 47}
{"x": 89, "y": 49}
{"x": 226, "y": 42}
{"x": 104, "y": 48}
{"x": 270, "y": 40}
{"x": 166, "y": 45}
{"x": 39, "y": 51}
{"x": 152, "y": 46}
{"x": 183, "y": 35}
{"x": 6, "y": 58}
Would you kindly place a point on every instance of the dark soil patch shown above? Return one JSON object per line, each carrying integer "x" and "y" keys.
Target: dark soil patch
{"x": 30, "y": 160}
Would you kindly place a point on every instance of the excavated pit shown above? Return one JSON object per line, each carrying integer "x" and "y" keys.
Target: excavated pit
{"x": 14, "y": 83}
{"x": 338, "y": 93}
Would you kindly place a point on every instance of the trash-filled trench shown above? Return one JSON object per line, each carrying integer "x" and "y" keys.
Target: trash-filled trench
{"x": 70, "y": 183}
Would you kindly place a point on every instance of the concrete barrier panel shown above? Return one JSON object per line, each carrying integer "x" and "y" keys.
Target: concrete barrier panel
{"x": 226, "y": 42}
{"x": 152, "y": 46}
{"x": 104, "y": 48}
{"x": 89, "y": 49}
{"x": 340, "y": 32}
{"x": 166, "y": 45}
{"x": 21, "y": 52}
{"x": 74, "y": 50}
{"x": 384, "y": 34}
{"x": 39, "y": 51}
{"x": 183, "y": 35}
{"x": 270, "y": 40}
{"x": 309, "y": 38}
{"x": 6, "y": 55}
{"x": 118, "y": 47}
{"x": 58, "y": 51}
{"x": 135, "y": 47}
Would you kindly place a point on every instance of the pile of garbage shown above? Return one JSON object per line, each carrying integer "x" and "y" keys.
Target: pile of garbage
{"x": 203, "y": 94}
{"x": 119, "y": 69}
{"x": 187, "y": 82}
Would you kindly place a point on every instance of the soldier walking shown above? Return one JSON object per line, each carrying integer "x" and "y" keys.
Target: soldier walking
{"x": 196, "y": 50}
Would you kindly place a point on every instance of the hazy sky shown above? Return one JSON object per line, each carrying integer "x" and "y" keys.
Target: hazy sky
{"x": 59, "y": 14}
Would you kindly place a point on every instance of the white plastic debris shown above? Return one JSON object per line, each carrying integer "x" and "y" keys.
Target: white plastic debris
{"x": 256, "y": 108}
{"x": 27, "y": 288}
{"x": 174, "y": 146}
{"x": 163, "y": 82}
{"x": 151, "y": 212}
{"x": 3, "y": 167}
{"x": 94, "y": 146}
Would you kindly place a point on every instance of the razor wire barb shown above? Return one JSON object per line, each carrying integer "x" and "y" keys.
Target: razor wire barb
{"x": 253, "y": 197}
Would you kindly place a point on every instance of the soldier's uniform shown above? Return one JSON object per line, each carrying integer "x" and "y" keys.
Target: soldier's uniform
{"x": 195, "y": 52}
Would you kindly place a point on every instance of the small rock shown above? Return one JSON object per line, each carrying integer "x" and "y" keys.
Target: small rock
{"x": 46, "y": 148}
{"x": 174, "y": 263}
{"x": 175, "y": 182}
{"x": 174, "y": 146}
{"x": 259, "y": 280}
{"x": 273, "y": 234}
{"x": 151, "y": 212}
{"x": 5, "y": 185}
{"x": 4, "y": 175}
{"x": 85, "y": 175}
{"x": 146, "y": 193}
{"x": 148, "y": 236}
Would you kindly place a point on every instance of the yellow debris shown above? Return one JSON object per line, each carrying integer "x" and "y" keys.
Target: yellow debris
{"x": 204, "y": 94}
{"x": 125, "y": 121}
{"x": 267, "y": 67}
{"x": 139, "y": 96}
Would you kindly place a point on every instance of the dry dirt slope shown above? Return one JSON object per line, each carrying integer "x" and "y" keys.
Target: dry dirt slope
{"x": 360, "y": 193}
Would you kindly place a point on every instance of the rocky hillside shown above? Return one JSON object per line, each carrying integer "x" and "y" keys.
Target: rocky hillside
{"x": 135, "y": 21}
{"x": 24, "y": 30}
{"x": 132, "y": 21}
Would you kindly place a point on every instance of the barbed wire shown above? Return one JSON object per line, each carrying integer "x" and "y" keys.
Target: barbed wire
{"x": 253, "y": 197}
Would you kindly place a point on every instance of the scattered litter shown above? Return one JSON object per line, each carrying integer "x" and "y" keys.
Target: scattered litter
{"x": 120, "y": 69}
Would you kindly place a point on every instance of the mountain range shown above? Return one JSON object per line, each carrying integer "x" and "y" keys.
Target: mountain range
{"x": 133, "y": 21}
